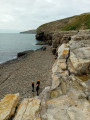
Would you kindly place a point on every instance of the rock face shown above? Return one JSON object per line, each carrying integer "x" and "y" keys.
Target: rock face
{"x": 44, "y": 36}
{"x": 67, "y": 107}
{"x": 68, "y": 24}
{"x": 79, "y": 55}
{"x": 8, "y": 105}
{"x": 69, "y": 98}
{"x": 28, "y": 109}
{"x": 60, "y": 66}
{"x": 63, "y": 51}
{"x": 59, "y": 38}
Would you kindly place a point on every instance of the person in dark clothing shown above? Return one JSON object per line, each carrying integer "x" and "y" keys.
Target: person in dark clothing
{"x": 37, "y": 89}
{"x": 43, "y": 48}
{"x": 77, "y": 32}
{"x": 32, "y": 86}
{"x": 38, "y": 82}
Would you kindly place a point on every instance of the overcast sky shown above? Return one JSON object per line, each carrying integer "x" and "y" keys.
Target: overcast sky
{"x": 22, "y": 15}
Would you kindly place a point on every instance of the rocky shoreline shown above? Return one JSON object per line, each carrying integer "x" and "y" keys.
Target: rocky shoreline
{"x": 17, "y": 70}
{"x": 20, "y": 56}
{"x": 65, "y": 96}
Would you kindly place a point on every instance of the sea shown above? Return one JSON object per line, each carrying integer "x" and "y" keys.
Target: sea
{"x": 12, "y": 43}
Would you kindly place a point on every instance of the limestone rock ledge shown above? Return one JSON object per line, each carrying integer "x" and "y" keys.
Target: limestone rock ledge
{"x": 68, "y": 98}
{"x": 28, "y": 109}
{"x": 8, "y": 105}
{"x": 80, "y": 53}
{"x": 67, "y": 107}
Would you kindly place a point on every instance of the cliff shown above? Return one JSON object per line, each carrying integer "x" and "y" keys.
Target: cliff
{"x": 79, "y": 22}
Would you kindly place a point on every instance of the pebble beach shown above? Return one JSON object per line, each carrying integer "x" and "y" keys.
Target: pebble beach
{"x": 16, "y": 76}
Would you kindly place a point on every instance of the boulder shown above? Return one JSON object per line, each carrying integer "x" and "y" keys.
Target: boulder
{"x": 62, "y": 64}
{"x": 45, "y": 94}
{"x": 83, "y": 53}
{"x": 20, "y": 54}
{"x": 80, "y": 65}
{"x": 55, "y": 81}
{"x": 8, "y": 105}
{"x": 78, "y": 44}
{"x": 63, "y": 51}
{"x": 28, "y": 109}
{"x": 80, "y": 53}
{"x": 54, "y": 68}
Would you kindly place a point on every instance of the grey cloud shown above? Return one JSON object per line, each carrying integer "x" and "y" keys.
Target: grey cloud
{"x": 29, "y": 14}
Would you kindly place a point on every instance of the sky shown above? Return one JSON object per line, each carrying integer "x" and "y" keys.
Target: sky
{"x": 21, "y": 15}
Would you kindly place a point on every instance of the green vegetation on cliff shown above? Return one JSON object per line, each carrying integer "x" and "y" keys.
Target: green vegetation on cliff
{"x": 78, "y": 22}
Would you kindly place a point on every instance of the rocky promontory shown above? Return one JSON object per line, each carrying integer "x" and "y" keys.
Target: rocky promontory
{"x": 29, "y": 32}
{"x": 60, "y": 31}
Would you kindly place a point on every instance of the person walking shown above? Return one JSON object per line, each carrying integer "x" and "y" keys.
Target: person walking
{"x": 37, "y": 89}
{"x": 32, "y": 86}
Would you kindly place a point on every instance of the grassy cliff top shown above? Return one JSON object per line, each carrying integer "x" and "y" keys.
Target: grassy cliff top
{"x": 78, "y": 22}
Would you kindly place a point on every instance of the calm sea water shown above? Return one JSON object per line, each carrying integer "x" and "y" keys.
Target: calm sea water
{"x": 11, "y": 44}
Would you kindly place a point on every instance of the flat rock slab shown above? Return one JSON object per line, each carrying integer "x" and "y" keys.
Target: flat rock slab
{"x": 80, "y": 65}
{"x": 67, "y": 107}
{"x": 28, "y": 109}
{"x": 8, "y": 105}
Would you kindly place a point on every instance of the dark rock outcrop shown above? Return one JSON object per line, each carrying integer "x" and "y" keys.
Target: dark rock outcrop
{"x": 44, "y": 36}
{"x": 21, "y": 54}
{"x": 53, "y": 51}
{"x": 42, "y": 43}
{"x": 40, "y": 36}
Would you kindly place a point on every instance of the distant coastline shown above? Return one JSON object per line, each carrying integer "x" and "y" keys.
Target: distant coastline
{"x": 29, "y": 32}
